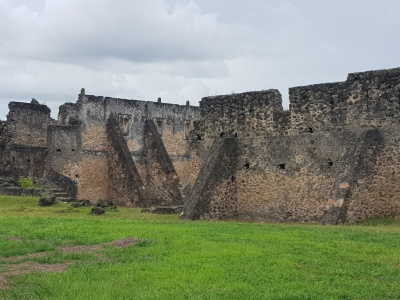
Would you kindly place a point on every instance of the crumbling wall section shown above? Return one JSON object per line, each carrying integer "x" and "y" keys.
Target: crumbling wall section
{"x": 92, "y": 171}
{"x": 68, "y": 114}
{"x": 125, "y": 184}
{"x": 214, "y": 193}
{"x": 65, "y": 182}
{"x": 64, "y": 147}
{"x": 5, "y": 159}
{"x": 310, "y": 164}
{"x": 162, "y": 181}
{"x": 87, "y": 168}
{"x": 245, "y": 114}
{"x": 91, "y": 113}
{"x": 25, "y": 139}
{"x": 28, "y": 161}
{"x": 27, "y": 124}
{"x": 376, "y": 192}
{"x": 364, "y": 99}
{"x": 173, "y": 123}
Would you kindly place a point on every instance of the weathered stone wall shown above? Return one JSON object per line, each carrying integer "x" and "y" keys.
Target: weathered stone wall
{"x": 65, "y": 182}
{"x": 28, "y": 161}
{"x": 92, "y": 171}
{"x": 68, "y": 114}
{"x": 161, "y": 178}
{"x": 91, "y": 112}
{"x": 322, "y": 161}
{"x": 87, "y": 168}
{"x": 214, "y": 193}
{"x": 126, "y": 186}
{"x": 332, "y": 158}
{"x": 255, "y": 114}
{"x": 5, "y": 158}
{"x": 27, "y": 124}
{"x": 155, "y": 166}
{"x": 376, "y": 192}
{"x": 64, "y": 145}
{"x": 173, "y": 123}
{"x": 364, "y": 99}
{"x": 26, "y": 139}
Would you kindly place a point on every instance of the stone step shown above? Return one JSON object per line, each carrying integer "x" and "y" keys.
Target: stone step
{"x": 65, "y": 199}
{"x": 56, "y": 190}
{"x": 167, "y": 210}
{"x": 61, "y": 194}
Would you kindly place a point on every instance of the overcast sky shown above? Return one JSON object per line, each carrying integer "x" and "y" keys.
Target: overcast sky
{"x": 184, "y": 50}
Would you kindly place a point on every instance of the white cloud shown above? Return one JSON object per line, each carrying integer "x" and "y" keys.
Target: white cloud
{"x": 184, "y": 50}
{"x": 87, "y": 31}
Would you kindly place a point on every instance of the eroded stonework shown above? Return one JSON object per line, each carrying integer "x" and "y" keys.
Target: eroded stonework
{"x": 333, "y": 157}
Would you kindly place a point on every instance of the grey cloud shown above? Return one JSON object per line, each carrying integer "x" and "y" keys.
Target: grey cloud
{"x": 76, "y": 31}
{"x": 181, "y": 49}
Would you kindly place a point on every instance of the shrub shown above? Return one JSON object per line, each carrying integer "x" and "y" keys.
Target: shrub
{"x": 26, "y": 182}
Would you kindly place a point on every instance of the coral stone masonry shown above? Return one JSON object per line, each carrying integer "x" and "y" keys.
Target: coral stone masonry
{"x": 333, "y": 157}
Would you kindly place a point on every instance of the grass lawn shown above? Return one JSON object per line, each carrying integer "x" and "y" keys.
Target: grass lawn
{"x": 177, "y": 259}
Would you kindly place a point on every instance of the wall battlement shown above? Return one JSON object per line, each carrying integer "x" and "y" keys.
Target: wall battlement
{"x": 364, "y": 99}
{"x": 320, "y": 161}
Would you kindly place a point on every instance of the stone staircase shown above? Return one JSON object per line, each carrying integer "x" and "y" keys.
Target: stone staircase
{"x": 61, "y": 195}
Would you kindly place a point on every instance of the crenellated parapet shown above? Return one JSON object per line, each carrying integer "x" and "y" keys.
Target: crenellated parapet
{"x": 244, "y": 114}
{"x": 367, "y": 99}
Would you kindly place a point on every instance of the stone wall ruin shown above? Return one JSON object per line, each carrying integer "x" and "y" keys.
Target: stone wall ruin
{"x": 332, "y": 158}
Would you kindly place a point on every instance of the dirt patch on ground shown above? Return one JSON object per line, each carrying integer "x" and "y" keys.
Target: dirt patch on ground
{"x": 15, "y": 265}
{"x": 124, "y": 243}
{"x": 17, "y": 258}
{"x": 80, "y": 248}
{"x": 28, "y": 267}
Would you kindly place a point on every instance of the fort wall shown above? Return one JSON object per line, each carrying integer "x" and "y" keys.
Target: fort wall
{"x": 26, "y": 138}
{"x": 125, "y": 185}
{"x": 5, "y": 158}
{"x": 158, "y": 179}
{"x": 27, "y": 124}
{"x": 364, "y": 99}
{"x": 317, "y": 162}
{"x": 161, "y": 177}
{"x": 331, "y": 158}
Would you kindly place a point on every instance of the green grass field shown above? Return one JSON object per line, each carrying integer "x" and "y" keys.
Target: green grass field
{"x": 193, "y": 260}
